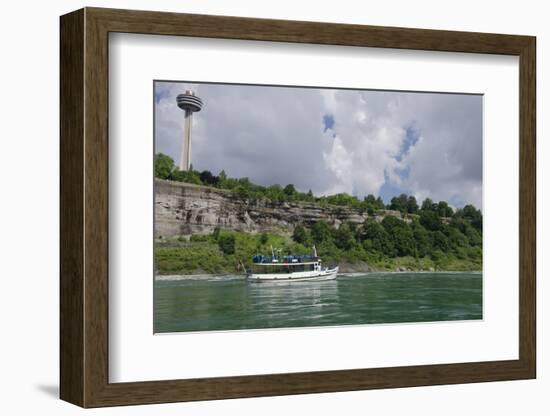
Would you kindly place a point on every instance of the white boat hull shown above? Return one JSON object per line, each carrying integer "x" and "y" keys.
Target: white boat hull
{"x": 309, "y": 276}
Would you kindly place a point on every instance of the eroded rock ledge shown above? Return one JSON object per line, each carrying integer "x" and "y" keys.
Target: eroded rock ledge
{"x": 185, "y": 209}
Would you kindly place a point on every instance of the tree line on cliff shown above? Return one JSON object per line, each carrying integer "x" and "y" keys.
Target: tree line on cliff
{"x": 423, "y": 236}
{"x": 243, "y": 188}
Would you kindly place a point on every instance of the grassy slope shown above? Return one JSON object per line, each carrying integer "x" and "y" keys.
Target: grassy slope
{"x": 202, "y": 255}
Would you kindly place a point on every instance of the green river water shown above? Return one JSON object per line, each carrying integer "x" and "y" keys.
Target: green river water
{"x": 229, "y": 302}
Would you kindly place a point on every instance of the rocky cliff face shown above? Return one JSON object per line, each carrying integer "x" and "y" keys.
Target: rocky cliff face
{"x": 184, "y": 209}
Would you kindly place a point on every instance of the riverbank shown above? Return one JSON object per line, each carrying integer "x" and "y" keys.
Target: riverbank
{"x": 229, "y": 252}
{"x": 207, "y": 261}
{"x": 171, "y": 264}
{"x": 410, "y": 264}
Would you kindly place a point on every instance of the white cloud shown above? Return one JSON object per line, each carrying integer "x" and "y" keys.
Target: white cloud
{"x": 340, "y": 162}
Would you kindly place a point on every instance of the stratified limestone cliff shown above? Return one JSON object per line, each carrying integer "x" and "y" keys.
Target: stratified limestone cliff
{"x": 185, "y": 209}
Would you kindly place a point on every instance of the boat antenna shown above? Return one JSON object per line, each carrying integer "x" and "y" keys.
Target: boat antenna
{"x": 314, "y": 251}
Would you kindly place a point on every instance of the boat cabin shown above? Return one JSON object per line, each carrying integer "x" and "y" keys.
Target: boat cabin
{"x": 287, "y": 264}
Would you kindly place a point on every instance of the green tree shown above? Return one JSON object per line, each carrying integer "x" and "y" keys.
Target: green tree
{"x": 465, "y": 227}
{"x": 474, "y": 237}
{"x": 430, "y": 220}
{"x": 370, "y": 199}
{"x": 412, "y": 205}
{"x": 188, "y": 176}
{"x": 421, "y": 238}
{"x": 437, "y": 255}
{"x": 289, "y": 190}
{"x": 321, "y": 232}
{"x": 344, "y": 237}
{"x": 375, "y": 237}
{"x": 301, "y": 235}
{"x": 399, "y": 203}
{"x": 456, "y": 238}
{"x": 275, "y": 193}
{"x": 401, "y": 235}
{"x": 440, "y": 241}
{"x": 208, "y": 179}
{"x": 428, "y": 205}
{"x": 444, "y": 210}
{"x": 474, "y": 216}
{"x": 343, "y": 199}
{"x": 242, "y": 192}
{"x": 164, "y": 166}
{"x": 226, "y": 242}
{"x": 264, "y": 238}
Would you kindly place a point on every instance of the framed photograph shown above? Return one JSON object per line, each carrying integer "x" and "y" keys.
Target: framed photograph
{"x": 254, "y": 207}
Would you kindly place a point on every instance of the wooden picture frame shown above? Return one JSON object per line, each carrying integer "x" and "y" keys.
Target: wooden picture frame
{"x": 84, "y": 207}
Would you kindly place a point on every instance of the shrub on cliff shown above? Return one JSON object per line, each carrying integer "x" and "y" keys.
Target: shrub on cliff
{"x": 375, "y": 238}
{"x": 401, "y": 236}
{"x": 188, "y": 176}
{"x": 321, "y": 232}
{"x": 207, "y": 178}
{"x": 226, "y": 242}
{"x": 344, "y": 237}
{"x": 301, "y": 235}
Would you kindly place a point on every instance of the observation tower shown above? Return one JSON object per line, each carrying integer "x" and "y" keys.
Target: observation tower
{"x": 189, "y": 103}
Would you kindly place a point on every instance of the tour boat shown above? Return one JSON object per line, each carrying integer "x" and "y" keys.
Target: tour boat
{"x": 294, "y": 268}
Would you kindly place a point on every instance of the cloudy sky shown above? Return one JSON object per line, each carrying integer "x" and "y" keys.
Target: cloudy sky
{"x": 332, "y": 140}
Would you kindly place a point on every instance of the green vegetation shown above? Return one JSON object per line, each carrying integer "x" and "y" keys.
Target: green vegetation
{"x": 226, "y": 242}
{"x": 425, "y": 237}
{"x": 219, "y": 252}
{"x": 387, "y": 245}
{"x": 353, "y": 247}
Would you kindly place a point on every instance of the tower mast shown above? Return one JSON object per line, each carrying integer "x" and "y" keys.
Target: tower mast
{"x": 189, "y": 103}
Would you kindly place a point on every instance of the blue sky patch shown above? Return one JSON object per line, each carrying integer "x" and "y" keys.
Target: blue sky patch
{"x": 411, "y": 137}
{"x": 161, "y": 94}
{"x": 328, "y": 121}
